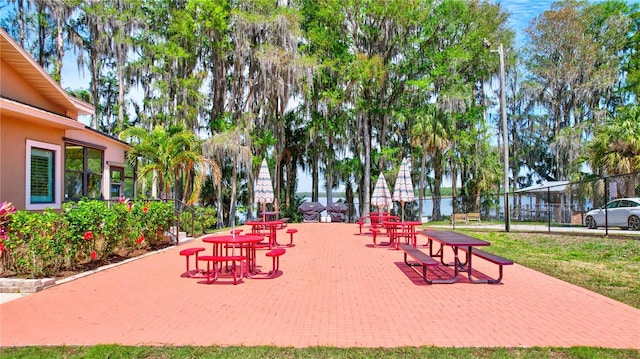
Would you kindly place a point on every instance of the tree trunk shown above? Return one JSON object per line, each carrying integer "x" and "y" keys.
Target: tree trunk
{"x": 366, "y": 185}
{"x": 93, "y": 64}
{"x": 42, "y": 34}
{"x": 437, "y": 182}
{"x": 423, "y": 169}
{"x": 57, "y": 71}
{"x": 21, "y": 30}
{"x": 121, "y": 90}
{"x": 232, "y": 201}
{"x": 154, "y": 185}
{"x": 220, "y": 223}
{"x": 315, "y": 178}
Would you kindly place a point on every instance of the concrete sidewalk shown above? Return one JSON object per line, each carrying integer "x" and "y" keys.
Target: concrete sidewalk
{"x": 336, "y": 290}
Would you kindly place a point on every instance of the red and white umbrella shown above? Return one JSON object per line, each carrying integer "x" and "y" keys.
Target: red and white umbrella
{"x": 403, "y": 190}
{"x": 264, "y": 186}
{"x": 381, "y": 197}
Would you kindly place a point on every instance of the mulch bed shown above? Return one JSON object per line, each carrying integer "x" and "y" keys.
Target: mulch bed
{"x": 91, "y": 265}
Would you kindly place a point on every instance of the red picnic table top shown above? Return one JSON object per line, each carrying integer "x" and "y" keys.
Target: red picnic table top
{"x": 454, "y": 239}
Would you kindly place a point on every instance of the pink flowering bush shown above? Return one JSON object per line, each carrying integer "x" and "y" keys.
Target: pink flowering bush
{"x": 6, "y": 210}
{"x": 42, "y": 244}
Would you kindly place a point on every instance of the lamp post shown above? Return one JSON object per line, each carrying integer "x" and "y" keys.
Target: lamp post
{"x": 505, "y": 134}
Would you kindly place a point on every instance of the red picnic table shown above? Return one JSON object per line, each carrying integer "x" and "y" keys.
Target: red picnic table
{"x": 378, "y": 218}
{"x": 267, "y": 229}
{"x": 242, "y": 249}
{"x": 269, "y": 215}
{"x": 398, "y": 230}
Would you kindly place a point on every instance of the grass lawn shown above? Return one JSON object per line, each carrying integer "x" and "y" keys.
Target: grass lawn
{"x": 609, "y": 266}
{"x": 115, "y": 351}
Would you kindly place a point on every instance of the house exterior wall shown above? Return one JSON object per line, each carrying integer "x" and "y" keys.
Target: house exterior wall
{"x": 15, "y": 87}
{"x": 14, "y": 134}
{"x": 37, "y": 117}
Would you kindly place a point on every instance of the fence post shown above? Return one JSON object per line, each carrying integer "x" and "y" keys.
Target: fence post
{"x": 549, "y": 209}
{"x": 606, "y": 213}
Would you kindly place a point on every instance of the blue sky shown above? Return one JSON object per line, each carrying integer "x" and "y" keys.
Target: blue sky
{"x": 522, "y": 12}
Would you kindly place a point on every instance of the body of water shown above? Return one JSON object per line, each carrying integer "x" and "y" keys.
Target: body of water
{"x": 446, "y": 205}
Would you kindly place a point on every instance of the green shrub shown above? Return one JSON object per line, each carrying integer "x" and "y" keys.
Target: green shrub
{"x": 204, "y": 219}
{"x": 154, "y": 218}
{"x": 41, "y": 244}
{"x": 37, "y": 244}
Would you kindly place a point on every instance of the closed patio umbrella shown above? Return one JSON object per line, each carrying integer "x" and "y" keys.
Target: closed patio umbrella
{"x": 264, "y": 187}
{"x": 381, "y": 197}
{"x": 403, "y": 190}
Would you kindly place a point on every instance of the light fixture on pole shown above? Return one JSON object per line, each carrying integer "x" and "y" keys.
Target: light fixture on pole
{"x": 505, "y": 134}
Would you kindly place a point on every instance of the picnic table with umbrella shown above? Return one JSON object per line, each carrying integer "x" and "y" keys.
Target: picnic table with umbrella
{"x": 403, "y": 190}
{"x": 264, "y": 187}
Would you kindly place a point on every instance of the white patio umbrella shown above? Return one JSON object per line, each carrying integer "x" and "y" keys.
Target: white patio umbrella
{"x": 381, "y": 197}
{"x": 264, "y": 187}
{"x": 403, "y": 190}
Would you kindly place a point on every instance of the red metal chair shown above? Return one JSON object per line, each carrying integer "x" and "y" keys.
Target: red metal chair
{"x": 187, "y": 253}
{"x": 291, "y": 231}
{"x": 275, "y": 255}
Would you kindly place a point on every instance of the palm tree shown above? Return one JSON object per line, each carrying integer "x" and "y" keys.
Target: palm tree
{"x": 169, "y": 153}
{"x": 433, "y": 130}
{"x": 420, "y": 133}
{"x": 615, "y": 148}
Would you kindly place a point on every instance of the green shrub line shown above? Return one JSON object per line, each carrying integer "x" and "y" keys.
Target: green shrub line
{"x": 40, "y": 244}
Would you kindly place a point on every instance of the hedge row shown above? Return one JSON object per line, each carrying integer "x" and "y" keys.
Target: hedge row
{"x": 40, "y": 244}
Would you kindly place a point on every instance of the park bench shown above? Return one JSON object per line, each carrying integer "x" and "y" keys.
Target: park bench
{"x": 495, "y": 259}
{"x": 458, "y": 217}
{"x": 421, "y": 259}
{"x": 473, "y": 216}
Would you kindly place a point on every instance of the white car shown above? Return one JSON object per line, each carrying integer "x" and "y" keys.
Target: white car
{"x": 621, "y": 212}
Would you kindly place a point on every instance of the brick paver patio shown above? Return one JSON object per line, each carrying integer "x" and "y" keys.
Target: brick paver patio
{"x": 336, "y": 290}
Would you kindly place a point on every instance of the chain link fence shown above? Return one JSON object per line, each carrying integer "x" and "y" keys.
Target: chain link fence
{"x": 552, "y": 206}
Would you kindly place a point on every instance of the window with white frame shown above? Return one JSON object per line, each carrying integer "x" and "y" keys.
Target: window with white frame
{"x": 43, "y": 168}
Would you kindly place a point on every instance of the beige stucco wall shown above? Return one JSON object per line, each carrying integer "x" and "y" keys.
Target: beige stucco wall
{"x": 13, "y": 138}
{"x": 14, "y": 87}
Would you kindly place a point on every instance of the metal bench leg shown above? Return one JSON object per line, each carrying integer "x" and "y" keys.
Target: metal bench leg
{"x": 490, "y": 280}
